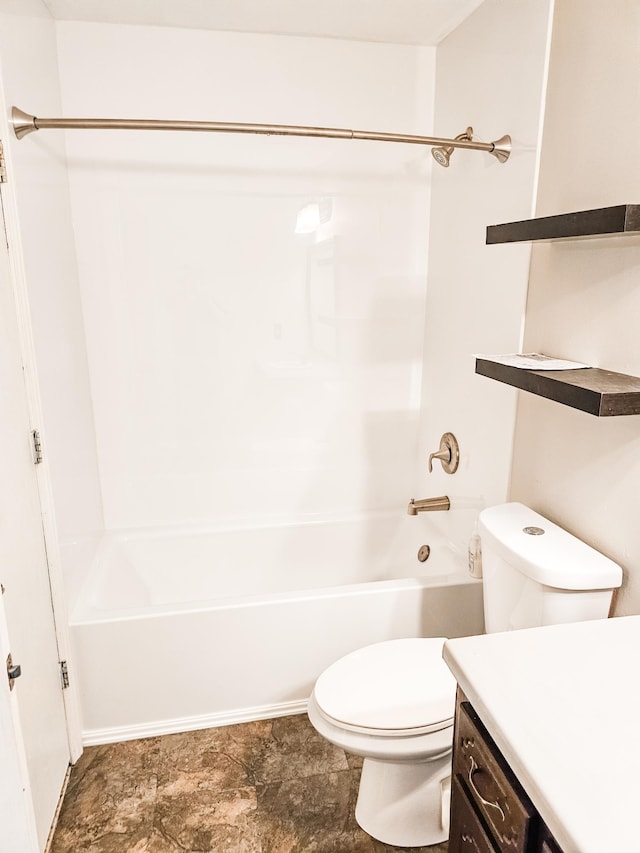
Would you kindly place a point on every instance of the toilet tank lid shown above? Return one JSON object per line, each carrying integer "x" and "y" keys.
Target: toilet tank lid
{"x": 555, "y": 558}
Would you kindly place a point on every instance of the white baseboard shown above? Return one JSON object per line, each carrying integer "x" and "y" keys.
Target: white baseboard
{"x": 116, "y": 734}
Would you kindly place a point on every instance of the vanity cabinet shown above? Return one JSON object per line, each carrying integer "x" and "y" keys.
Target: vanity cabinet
{"x": 490, "y": 811}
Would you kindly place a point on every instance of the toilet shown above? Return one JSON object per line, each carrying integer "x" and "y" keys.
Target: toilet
{"x": 393, "y": 702}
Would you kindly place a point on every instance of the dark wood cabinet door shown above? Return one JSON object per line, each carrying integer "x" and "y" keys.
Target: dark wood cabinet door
{"x": 490, "y": 810}
{"x": 467, "y": 834}
{"x": 494, "y": 790}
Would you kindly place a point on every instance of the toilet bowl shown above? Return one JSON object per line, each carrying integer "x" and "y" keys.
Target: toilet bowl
{"x": 393, "y": 703}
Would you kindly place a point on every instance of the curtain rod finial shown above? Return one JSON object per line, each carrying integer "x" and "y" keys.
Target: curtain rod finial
{"x": 502, "y": 148}
{"x": 22, "y": 122}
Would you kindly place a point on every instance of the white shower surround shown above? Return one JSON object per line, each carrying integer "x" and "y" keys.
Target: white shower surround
{"x": 190, "y": 628}
{"x": 238, "y": 367}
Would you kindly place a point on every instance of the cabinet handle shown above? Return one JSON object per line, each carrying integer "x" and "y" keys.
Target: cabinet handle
{"x": 474, "y": 769}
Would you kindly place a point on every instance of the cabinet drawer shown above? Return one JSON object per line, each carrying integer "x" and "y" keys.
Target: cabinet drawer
{"x": 467, "y": 832}
{"x": 494, "y": 790}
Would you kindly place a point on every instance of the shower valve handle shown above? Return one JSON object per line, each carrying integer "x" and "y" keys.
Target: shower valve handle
{"x": 442, "y": 455}
{"x": 448, "y": 454}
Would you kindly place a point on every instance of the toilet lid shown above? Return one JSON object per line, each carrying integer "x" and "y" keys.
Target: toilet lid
{"x": 398, "y": 684}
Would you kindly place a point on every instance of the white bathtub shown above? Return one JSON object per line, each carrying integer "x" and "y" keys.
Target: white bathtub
{"x": 186, "y": 629}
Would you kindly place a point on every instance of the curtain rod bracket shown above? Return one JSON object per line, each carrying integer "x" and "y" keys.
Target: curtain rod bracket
{"x": 22, "y": 122}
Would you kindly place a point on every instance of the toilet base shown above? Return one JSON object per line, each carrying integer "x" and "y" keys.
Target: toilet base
{"x": 405, "y": 804}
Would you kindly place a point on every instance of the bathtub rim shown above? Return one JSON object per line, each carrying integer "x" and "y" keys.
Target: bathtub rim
{"x": 446, "y": 566}
{"x": 87, "y": 614}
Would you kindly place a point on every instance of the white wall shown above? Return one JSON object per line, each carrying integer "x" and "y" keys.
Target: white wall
{"x": 238, "y": 368}
{"x": 37, "y": 171}
{"x": 490, "y": 75}
{"x": 584, "y": 298}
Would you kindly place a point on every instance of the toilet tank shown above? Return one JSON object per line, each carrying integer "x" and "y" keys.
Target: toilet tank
{"x": 536, "y": 573}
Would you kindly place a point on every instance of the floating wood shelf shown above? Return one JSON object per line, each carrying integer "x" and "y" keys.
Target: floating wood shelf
{"x": 598, "y": 392}
{"x": 621, "y": 219}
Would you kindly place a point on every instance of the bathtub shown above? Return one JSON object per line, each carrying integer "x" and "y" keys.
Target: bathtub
{"x": 183, "y": 629}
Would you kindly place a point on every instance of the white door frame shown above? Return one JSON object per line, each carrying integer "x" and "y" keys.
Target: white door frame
{"x": 34, "y": 406}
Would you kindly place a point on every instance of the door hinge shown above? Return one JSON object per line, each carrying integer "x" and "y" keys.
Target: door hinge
{"x": 64, "y": 674}
{"x": 37, "y": 446}
{"x": 14, "y": 671}
{"x": 3, "y": 166}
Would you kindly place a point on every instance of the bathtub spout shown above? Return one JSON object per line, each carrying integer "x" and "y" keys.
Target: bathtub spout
{"x": 429, "y": 505}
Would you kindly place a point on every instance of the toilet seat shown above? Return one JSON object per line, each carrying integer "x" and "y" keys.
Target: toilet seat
{"x": 396, "y": 688}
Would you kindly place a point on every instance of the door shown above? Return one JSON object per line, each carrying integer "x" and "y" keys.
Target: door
{"x": 25, "y": 577}
{"x": 17, "y": 821}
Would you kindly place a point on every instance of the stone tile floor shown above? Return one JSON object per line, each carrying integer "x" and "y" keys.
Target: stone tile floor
{"x": 273, "y": 786}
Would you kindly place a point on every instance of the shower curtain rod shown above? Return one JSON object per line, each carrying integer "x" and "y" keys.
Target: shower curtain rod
{"x": 24, "y": 123}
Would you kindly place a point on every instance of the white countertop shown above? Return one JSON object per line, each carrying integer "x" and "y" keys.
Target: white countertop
{"x": 563, "y": 705}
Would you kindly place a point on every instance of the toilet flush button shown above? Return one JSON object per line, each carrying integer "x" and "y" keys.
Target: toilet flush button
{"x": 533, "y": 531}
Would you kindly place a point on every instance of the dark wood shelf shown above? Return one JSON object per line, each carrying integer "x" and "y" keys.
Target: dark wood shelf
{"x": 597, "y": 392}
{"x": 621, "y": 219}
